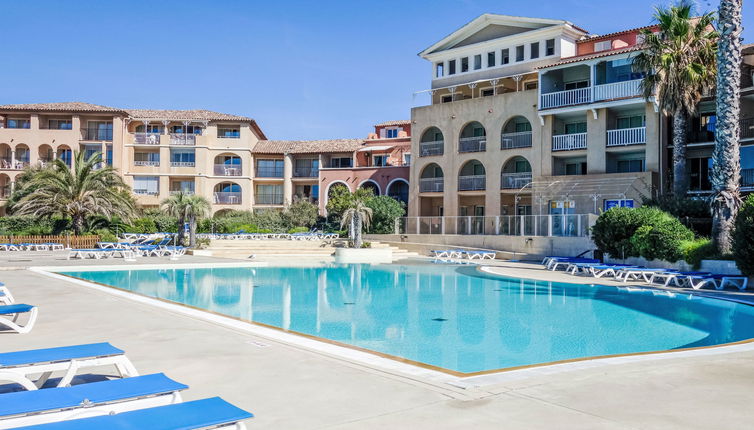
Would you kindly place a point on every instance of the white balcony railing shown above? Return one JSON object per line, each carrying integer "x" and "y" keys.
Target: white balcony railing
{"x": 182, "y": 164}
{"x": 576, "y": 225}
{"x": 521, "y": 139}
{"x": 471, "y": 183}
{"x": 515, "y": 180}
{"x": 431, "y": 185}
{"x": 147, "y": 163}
{"x": 147, "y": 138}
{"x": 627, "y": 136}
{"x": 182, "y": 139}
{"x": 569, "y": 142}
{"x": 472, "y": 144}
{"x": 146, "y": 192}
{"x": 227, "y": 198}
{"x": 617, "y": 90}
{"x": 566, "y": 98}
{"x": 427, "y": 149}
{"x": 227, "y": 170}
{"x": 186, "y": 192}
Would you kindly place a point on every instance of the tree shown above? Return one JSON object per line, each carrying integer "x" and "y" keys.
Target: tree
{"x": 340, "y": 199}
{"x": 89, "y": 189}
{"x": 743, "y": 246}
{"x": 726, "y": 156}
{"x": 385, "y": 210}
{"x": 187, "y": 208}
{"x": 300, "y": 214}
{"x": 678, "y": 63}
{"x": 357, "y": 216}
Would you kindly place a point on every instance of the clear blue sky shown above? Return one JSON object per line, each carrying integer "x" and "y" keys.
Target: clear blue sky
{"x": 302, "y": 69}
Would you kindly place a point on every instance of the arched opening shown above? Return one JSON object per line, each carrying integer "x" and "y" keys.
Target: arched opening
{"x": 228, "y": 165}
{"x": 228, "y": 193}
{"x": 335, "y": 186}
{"x": 5, "y": 156}
{"x": 516, "y": 173}
{"x": 5, "y": 187}
{"x": 516, "y": 133}
{"x": 471, "y": 207}
{"x": 432, "y": 179}
{"x": 472, "y": 177}
{"x": 398, "y": 189}
{"x": 23, "y": 156}
{"x": 371, "y": 185}
{"x": 45, "y": 154}
{"x": 473, "y": 138}
{"x": 65, "y": 154}
{"x": 432, "y": 142}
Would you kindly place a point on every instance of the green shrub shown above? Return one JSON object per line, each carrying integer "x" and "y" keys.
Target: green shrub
{"x": 298, "y": 230}
{"x": 661, "y": 240}
{"x": 300, "y": 214}
{"x": 613, "y": 230}
{"x": 694, "y": 251}
{"x": 270, "y": 220}
{"x": 385, "y": 210}
{"x": 105, "y": 235}
{"x": 743, "y": 237}
{"x": 142, "y": 225}
{"x": 22, "y": 225}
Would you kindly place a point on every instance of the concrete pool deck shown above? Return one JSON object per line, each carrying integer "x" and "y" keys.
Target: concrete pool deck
{"x": 291, "y": 387}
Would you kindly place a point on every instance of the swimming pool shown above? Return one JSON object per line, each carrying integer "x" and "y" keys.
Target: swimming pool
{"x": 450, "y": 318}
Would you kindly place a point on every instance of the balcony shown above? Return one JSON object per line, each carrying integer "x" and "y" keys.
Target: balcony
{"x": 472, "y": 144}
{"x": 569, "y": 142}
{"x": 269, "y": 172}
{"x": 268, "y": 199}
{"x": 431, "y": 185}
{"x": 427, "y": 149}
{"x": 186, "y": 192}
{"x": 96, "y": 134}
{"x": 747, "y": 177}
{"x": 10, "y": 164}
{"x": 515, "y": 140}
{"x": 146, "y": 138}
{"x": 471, "y": 183}
{"x": 151, "y": 163}
{"x": 578, "y": 96}
{"x": 566, "y": 98}
{"x": 516, "y": 181}
{"x": 627, "y": 136}
{"x": 227, "y": 170}
{"x": 305, "y": 172}
{"x": 617, "y": 90}
{"x": 182, "y": 164}
{"x": 227, "y": 198}
{"x": 146, "y": 192}
{"x": 182, "y": 139}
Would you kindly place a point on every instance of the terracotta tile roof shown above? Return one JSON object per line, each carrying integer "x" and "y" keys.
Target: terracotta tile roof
{"x": 595, "y": 37}
{"x": 389, "y": 123}
{"x": 176, "y": 115}
{"x": 63, "y": 106}
{"x": 307, "y": 146}
{"x": 578, "y": 58}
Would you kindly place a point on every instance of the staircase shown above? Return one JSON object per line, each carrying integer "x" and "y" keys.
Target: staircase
{"x": 242, "y": 249}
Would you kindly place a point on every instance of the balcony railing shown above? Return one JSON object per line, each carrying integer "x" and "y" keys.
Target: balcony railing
{"x": 227, "y": 198}
{"x": 305, "y": 172}
{"x": 147, "y": 163}
{"x": 8, "y": 163}
{"x": 747, "y": 177}
{"x": 566, "y": 98}
{"x": 186, "y": 192}
{"x": 143, "y": 191}
{"x": 147, "y": 138}
{"x": 182, "y": 164}
{"x": 514, "y": 180}
{"x": 471, "y": 183}
{"x": 521, "y": 139}
{"x": 569, "y": 142}
{"x": 507, "y": 225}
{"x": 269, "y": 172}
{"x": 431, "y": 185}
{"x": 182, "y": 139}
{"x": 627, "y": 136}
{"x": 96, "y": 134}
{"x": 617, "y": 90}
{"x": 472, "y": 144}
{"x": 427, "y": 149}
{"x": 227, "y": 170}
{"x": 268, "y": 199}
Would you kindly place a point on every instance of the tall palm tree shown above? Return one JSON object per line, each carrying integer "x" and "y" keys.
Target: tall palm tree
{"x": 358, "y": 216}
{"x": 726, "y": 157}
{"x": 187, "y": 208}
{"x": 89, "y": 189}
{"x": 679, "y": 66}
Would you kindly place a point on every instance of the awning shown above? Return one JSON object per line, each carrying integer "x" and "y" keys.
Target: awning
{"x": 376, "y": 148}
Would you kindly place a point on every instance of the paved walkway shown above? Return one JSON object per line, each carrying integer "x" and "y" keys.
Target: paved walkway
{"x": 288, "y": 387}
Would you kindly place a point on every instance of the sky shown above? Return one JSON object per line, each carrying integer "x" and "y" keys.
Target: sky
{"x": 302, "y": 69}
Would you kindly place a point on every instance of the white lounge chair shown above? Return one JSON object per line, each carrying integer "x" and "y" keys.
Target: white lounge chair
{"x": 6, "y": 298}
{"x": 10, "y": 315}
{"x": 718, "y": 281}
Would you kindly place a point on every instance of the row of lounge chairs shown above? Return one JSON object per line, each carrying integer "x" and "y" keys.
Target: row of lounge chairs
{"x": 144, "y": 247}
{"x": 12, "y": 313}
{"x": 50, "y": 246}
{"x": 664, "y": 277}
{"x": 468, "y": 254}
{"x": 241, "y": 234}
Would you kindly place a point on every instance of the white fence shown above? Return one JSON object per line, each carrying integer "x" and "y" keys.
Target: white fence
{"x": 503, "y": 225}
{"x": 617, "y": 90}
{"x": 627, "y": 136}
{"x": 566, "y": 98}
{"x": 568, "y": 142}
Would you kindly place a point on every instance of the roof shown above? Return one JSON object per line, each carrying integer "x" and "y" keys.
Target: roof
{"x": 376, "y": 148}
{"x": 62, "y": 106}
{"x": 307, "y": 146}
{"x": 176, "y": 115}
{"x": 578, "y": 58}
{"x": 593, "y": 37}
{"x": 389, "y": 123}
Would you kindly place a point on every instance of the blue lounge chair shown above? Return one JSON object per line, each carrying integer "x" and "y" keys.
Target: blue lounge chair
{"x": 718, "y": 281}
{"x": 24, "y": 408}
{"x": 10, "y": 314}
{"x": 19, "y": 365}
{"x": 199, "y": 414}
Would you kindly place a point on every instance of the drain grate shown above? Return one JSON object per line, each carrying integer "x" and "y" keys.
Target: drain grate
{"x": 439, "y": 319}
{"x": 349, "y": 303}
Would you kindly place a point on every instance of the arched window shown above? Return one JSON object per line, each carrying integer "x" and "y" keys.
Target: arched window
{"x": 516, "y": 133}
{"x": 431, "y": 143}
{"x": 398, "y": 190}
{"x": 472, "y": 177}
{"x": 473, "y": 138}
{"x": 432, "y": 180}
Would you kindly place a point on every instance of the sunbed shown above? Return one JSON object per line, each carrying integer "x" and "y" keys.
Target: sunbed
{"x": 481, "y": 255}
{"x": 555, "y": 263}
{"x": 6, "y": 298}
{"x": 717, "y": 281}
{"x": 54, "y": 246}
{"x": 198, "y": 414}
{"x": 19, "y": 365}
{"x": 10, "y": 315}
{"x": 9, "y": 247}
{"x": 446, "y": 253}
{"x": 679, "y": 279}
{"x": 25, "y": 408}
{"x": 637, "y": 273}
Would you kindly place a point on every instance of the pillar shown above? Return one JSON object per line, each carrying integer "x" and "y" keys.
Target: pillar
{"x": 653, "y": 146}
{"x": 596, "y": 141}
{"x": 287, "y": 179}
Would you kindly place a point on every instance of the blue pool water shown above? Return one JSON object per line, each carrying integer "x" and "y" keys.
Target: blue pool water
{"x": 447, "y": 316}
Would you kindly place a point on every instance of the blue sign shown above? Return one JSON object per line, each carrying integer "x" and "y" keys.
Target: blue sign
{"x": 186, "y": 228}
{"x": 626, "y": 203}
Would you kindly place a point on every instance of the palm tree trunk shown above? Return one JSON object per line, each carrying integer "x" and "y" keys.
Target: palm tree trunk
{"x": 726, "y": 161}
{"x": 192, "y": 232}
{"x": 181, "y": 222}
{"x": 680, "y": 176}
{"x": 77, "y": 222}
{"x": 357, "y": 233}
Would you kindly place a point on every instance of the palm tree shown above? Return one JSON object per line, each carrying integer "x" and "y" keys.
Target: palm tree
{"x": 187, "y": 208}
{"x": 358, "y": 216}
{"x": 726, "y": 157}
{"x": 678, "y": 63}
{"x": 89, "y": 189}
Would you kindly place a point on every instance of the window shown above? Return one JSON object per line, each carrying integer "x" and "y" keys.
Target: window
{"x": 406, "y": 159}
{"x": 605, "y": 45}
{"x": 182, "y": 158}
{"x": 380, "y": 160}
{"x": 464, "y": 64}
{"x": 147, "y": 185}
{"x": 632, "y": 121}
{"x": 452, "y": 67}
{"x": 534, "y": 50}
{"x": 521, "y": 127}
{"x": 447, "y": 98}
{"x": 577, "y": 168}
{"x": 488, "y": 92}
{"x": 531, "y": 85}
{"x": 269, "y": 194}
{"x": 228, "y": 132}
{"x": 270, "y": 168}
{"x": 520, "y": 53}
{"x": 439, "y": 68}
{"x": 152, "y": 128}
{"x": 505, "y": 56}
{"x": 699, "y": 171}
{"x": 341, "y": 162}
{"x": 576, "y": 84}
{"x": 18, "y": 123}
{"x": 147, "y": 158}
{"x": 60, "y": 124}
{"x": 628, "y": 166}
{"x": 575, "y": 127}
{"x": 307, "y": 192}
{"x": 306, "y": 167}
{"x": 550, "y": 47}
{"x": 477, "y": 61}
{"x": 190, "y": 129}
{"x": 391, "y": 133}
{"x": 186, "y": 187}
{"x": 490, "y": 59}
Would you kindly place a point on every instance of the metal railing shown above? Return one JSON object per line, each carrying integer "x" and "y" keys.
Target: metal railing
{"x": 147, "y": 138}
{"x": 143, "y": 191}
{"x": 521, "y": 139}
{"x": 566, "y": 98}
{"x": 186, "y": 192}
{"x": 627, "y": 136}
{"x": 268, "y": 199}
{"x": 96, "y": 134}
{"x": 227, "y": 198}
{"x": 472, "y": 144}
{"x": 617, "y": 90}
{"x": 431, "y": 185}
{"x": 568, "y": 142}
{"x": 747, "y": 177}
{"x": 184, "y": 139}
{"x": 514, "y": 180}
{"x": 472, "y": 183}
{"x": 427, "y": 149}
{"x": 505, "y": 225}
{"x": 182, "y": 164}
{"x": 269, "y": 172}
{"x": 305, "y": 172}
{"x": 228, "y": 170}
{"x": 146, "y": 163}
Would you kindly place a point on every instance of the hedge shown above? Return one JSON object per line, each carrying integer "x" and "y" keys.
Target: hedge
{"x": 743, "y": 237}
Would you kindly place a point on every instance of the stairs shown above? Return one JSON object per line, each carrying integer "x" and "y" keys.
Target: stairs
{"x": 242, "y": 248}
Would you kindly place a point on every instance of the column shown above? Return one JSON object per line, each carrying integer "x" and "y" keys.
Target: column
{"x": 654, "y": 141}
{"x": 287, "y": 179}
{"x": 13, "y": 158}
{"x": 546, "y": 145}
{"x": 596, "y": 141}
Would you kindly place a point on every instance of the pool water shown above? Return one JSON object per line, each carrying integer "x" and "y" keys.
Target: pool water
{"x": 445, "y": 316}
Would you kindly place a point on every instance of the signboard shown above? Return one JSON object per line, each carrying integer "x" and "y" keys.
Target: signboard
{"x": 625, "y": 203}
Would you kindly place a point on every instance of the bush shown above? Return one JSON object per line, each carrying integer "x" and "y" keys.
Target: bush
{"x": 385, "y": 210}
{"x": 105, "y": 235}
{"x": 142, "y": 225}
{"x": 661, "y": 240}
{"x": 743, "y": 237}
{"x": 23, "y": 225}
{"x": 298, "y": 230}
{"x": 694, "y": 251}
{"x": 694, "y": 213}
{"x": 270, "y": 220}
{"x": 300, "y": 214}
